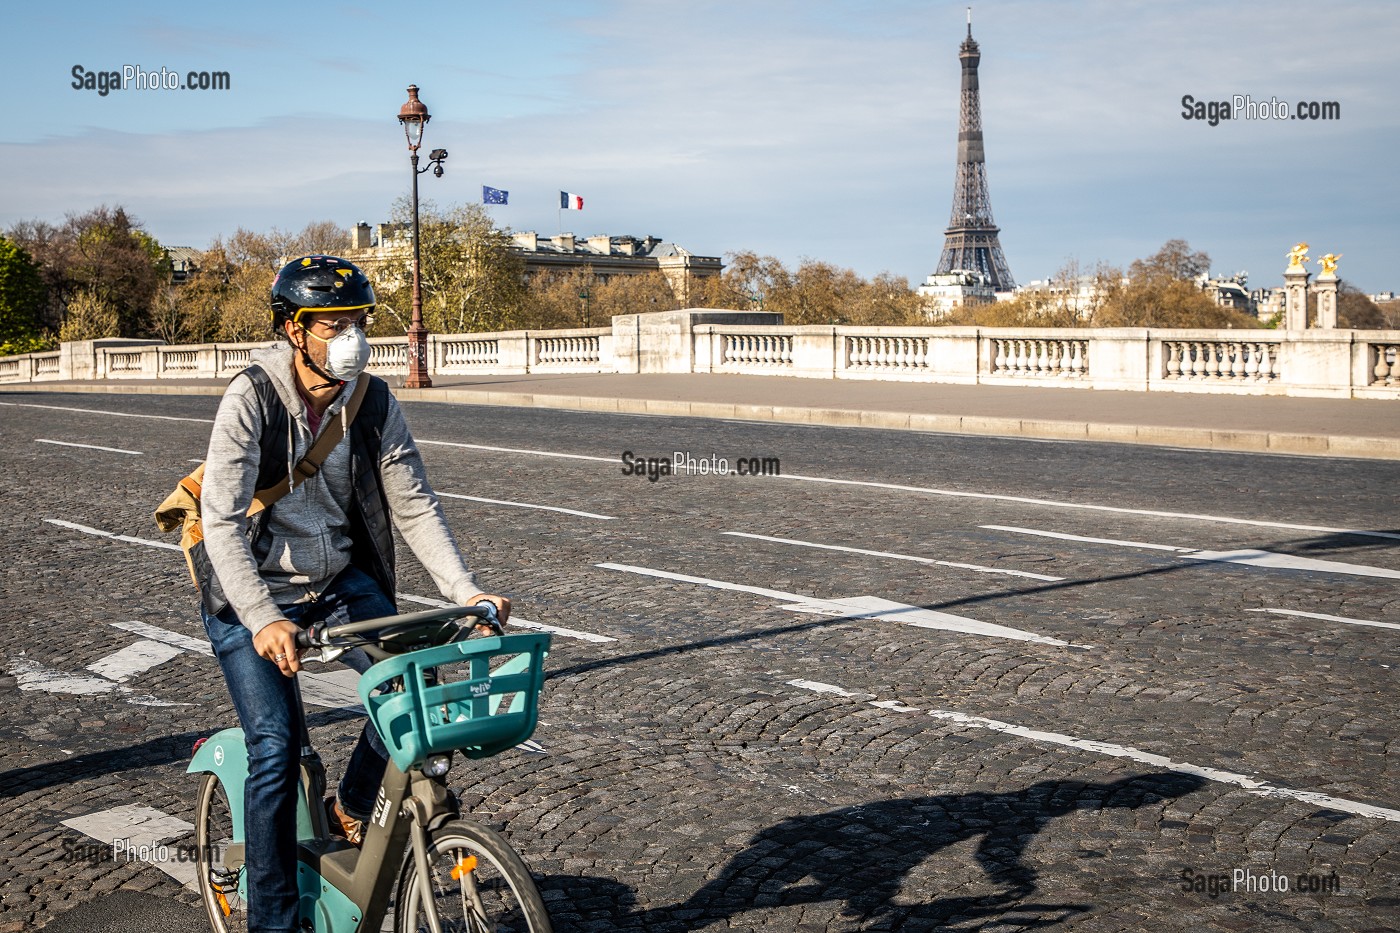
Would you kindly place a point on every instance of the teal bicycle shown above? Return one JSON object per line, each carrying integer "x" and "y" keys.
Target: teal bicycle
{"x": 421, "y": 860}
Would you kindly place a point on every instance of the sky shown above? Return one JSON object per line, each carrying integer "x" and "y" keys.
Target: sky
{"x": 820, "y": 129}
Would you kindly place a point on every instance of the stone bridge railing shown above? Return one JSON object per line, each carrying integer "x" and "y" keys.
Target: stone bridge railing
{"x": 1335, "y": 363}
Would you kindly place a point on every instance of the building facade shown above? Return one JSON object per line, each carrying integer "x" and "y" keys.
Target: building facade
{"x": 606, "y": 256}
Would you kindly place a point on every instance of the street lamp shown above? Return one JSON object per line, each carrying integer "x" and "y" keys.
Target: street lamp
{"x": 414, "y": 116}
{"x": 583, "y": 293}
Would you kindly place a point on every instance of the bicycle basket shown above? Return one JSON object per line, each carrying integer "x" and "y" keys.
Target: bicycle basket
{"x": 466, "y": 709}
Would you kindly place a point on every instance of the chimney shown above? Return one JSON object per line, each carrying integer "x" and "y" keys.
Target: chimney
{"x": 564, "y": 241}
{"x": 527, "y": 239}
{"x": 601, "y": 245}
{"x": 360, "y": 236}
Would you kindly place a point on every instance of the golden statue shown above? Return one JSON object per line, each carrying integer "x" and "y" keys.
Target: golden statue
{"x": 1329, "y": 263}
{"x": 1297, "y": 256}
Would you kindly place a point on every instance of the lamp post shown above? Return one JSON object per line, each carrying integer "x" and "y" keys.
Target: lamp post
{"x": 583, "y": 293}
{"x": 414, "y": 116}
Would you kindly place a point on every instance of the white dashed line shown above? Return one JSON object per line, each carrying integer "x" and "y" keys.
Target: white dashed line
{"x": 978, "y": 568}
{"x": 861, "y": 607}
{"x": 1326, "y": 618}
{"x": 1155, "y": 513}
{"x": 520, "y": 450}
{"x": 1067, "y": 537}
{"x": 526, "y": 505}
{"x": 1248, "y": 556}
{"x": 1252, "y": 785}
{"x": 186, "y": 642}
{"x": 110, "y": 450}
{"x": 114, "y": 414}
{"x": 816, "y": 686}
{"x": 517, "y": 622}
{"x": 995, "y": 497}
{"x": 1249, "y": 784}
{"x": 74, "y": 526}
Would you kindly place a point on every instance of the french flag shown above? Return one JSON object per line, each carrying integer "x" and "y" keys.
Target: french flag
{"x": 570, "y": 202}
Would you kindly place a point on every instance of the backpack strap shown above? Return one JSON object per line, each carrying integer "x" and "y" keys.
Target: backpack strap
{"x": 310, "y": 464}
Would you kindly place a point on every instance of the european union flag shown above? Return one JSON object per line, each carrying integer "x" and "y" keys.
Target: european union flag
{"x": 493, "y": 195}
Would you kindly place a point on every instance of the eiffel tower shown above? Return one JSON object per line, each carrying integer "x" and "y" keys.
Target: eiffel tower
{"x": 971, "y": 238}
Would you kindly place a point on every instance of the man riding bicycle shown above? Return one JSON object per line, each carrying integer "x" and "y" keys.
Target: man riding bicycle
{"x": 323, "y": 553}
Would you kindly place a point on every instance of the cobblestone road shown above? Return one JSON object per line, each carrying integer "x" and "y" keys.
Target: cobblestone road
{"x": 977, "y": 705}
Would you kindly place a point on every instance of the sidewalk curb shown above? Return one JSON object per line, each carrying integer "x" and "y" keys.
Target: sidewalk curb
{"x": 1321, "y": 445}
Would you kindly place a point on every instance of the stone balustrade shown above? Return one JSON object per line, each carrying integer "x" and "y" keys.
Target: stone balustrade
{"x": 1325, "y": 363}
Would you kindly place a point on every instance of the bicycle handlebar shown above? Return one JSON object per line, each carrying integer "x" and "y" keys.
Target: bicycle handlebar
{"x": 391, "y": 627}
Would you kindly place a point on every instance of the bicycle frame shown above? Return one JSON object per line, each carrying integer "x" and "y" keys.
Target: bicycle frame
{"x": 342, "y": 888}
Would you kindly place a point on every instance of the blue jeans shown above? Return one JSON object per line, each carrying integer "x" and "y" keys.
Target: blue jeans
{"x": 275, "y": 732}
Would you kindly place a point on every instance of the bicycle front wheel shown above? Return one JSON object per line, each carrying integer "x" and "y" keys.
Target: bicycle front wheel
{"x": 479, "y": 884}
{"x": 218, "y": 885}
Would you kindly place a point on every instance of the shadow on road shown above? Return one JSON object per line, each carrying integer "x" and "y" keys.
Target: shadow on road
{"x": 161, "y": 751}
{"x": 860, "y": 857}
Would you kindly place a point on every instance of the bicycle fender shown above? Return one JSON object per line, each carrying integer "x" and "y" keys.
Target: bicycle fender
{"x": 225, "y": 754}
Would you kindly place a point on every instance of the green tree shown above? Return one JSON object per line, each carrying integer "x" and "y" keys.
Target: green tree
{"x": 471, "y": 280}
{"x": 104, "y": 252}
{"x": 90, "y": 317}
{"x": 21, "y": 301}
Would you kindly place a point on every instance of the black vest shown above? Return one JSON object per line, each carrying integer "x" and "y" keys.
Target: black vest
{"x": 371, "y": 532}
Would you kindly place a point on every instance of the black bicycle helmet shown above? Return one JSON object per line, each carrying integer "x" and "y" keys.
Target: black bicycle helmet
{"x": 318, "y": 283}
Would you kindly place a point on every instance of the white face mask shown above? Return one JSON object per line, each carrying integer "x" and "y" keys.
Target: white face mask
{"x": 347, "y": 353}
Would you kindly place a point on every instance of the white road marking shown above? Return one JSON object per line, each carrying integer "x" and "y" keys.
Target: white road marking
{"x": 1155, "y": 513}
{"x": 1068, "y": 537}
{"x": 703, "y": 581}
{"x": 1252, "y": 785}
{"x": 114, "y": 450}
{"x": 860, "y": 607}
{"x": 1247, "y": 556}
{"x": 114, "y": 414}
{"x": 134, "y": 832}
{"x": 525, "y": 505}
{"x": 909, "y": 557}
{"x": 31, "y": 675}
{"x": 995, "y": 497}
{"x": 107, "y": 534}
{"x": 334, "y": 689}
{"x": 894, "y": 706}
{"x": 187, "y": 642}
{"x": 1255, "y": 558}
{"x": 816, "y": 686}
{"x": 136, "y": 658}
{"x": 1326, "y": 618}
{"x": 521, "y": 623}
{"x": 520, "y": 450}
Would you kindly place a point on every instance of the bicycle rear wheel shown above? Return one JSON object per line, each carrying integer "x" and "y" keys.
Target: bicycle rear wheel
{"x": 218, "y": 885}
{"x": 479, "y": 883}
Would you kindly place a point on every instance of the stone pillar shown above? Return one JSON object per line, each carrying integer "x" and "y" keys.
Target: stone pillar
{"x": 1295, "y": 298}
{"x": 1326, "y": 289}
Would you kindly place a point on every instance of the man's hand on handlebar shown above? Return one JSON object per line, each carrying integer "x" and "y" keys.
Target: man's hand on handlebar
{"x": 502, "y": 604}
{"x": 277, "y": 641}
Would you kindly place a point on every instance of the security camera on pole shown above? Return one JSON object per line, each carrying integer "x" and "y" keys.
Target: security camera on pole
{"x": 414, "y": 116}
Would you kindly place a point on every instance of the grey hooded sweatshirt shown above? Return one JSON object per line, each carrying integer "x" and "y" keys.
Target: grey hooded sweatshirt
{"x": 310, "y": 527}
